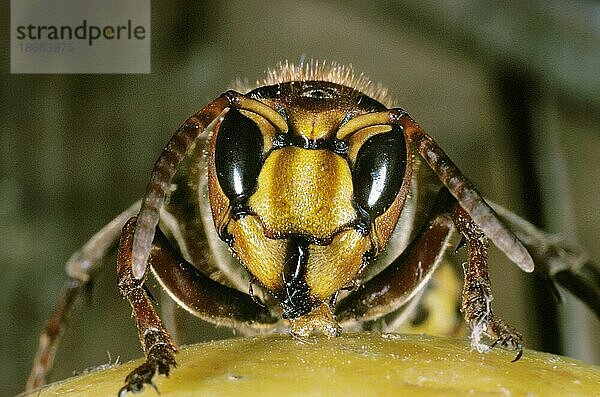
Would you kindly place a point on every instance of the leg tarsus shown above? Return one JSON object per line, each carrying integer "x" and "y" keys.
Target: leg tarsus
{"x": 156, "y": 342}
{"x": 477, "y": 293}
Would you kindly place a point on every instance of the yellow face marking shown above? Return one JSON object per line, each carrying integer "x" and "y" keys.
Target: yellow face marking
{"x": 303, "y": 191}
{"x": 263, "y": 257}
{"x": 334, "y": 266}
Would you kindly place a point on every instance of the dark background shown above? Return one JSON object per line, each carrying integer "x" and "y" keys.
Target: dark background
{"x": 511, "y": 92}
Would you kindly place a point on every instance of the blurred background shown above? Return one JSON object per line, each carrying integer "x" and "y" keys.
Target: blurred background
{"x": 511, "y": 92}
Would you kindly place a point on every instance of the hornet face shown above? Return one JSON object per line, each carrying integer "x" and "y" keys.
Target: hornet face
{"x": 305, "y": 209}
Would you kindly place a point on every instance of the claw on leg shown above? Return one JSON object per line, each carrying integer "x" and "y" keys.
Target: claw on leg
{"x": 506, "y": 336}
{"x": 135, "y": 381}
{"x": 160, "y": 359}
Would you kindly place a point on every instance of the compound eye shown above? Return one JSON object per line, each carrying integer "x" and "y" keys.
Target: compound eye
{"x": 238, "y": 156}
{"x": 379, "y": 171}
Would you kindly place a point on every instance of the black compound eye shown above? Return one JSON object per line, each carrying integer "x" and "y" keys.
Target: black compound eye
{"x": 238, "y": 156}
{"x": 378, "y": 171}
